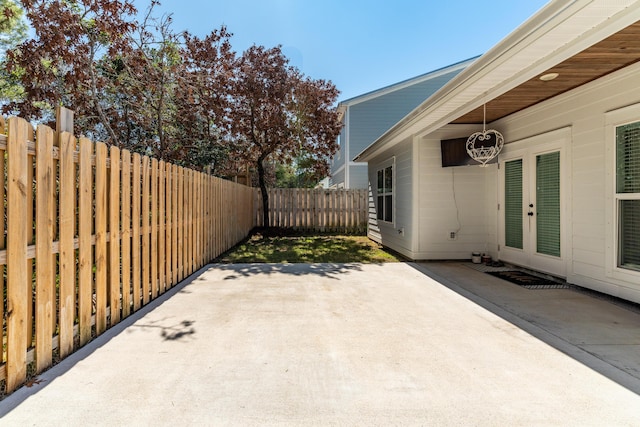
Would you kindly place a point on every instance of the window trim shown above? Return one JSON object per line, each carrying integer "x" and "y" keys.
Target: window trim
{"x": 614, "y": 119}
{"x": 381, "y": 168}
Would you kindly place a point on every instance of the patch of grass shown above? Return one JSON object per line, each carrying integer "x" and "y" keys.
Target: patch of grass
{"x": 269, "y": 246}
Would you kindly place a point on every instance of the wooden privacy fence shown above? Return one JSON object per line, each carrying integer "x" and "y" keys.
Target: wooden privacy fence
{"x": 316, "y": 210}
{"x": 93, "y": 234}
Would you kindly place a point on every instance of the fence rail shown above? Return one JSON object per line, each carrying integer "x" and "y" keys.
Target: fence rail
{"x": 315, "y": 209}
{"x": 93, "y": 234}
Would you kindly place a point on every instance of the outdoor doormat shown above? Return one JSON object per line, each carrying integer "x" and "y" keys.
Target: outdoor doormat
{"x": 527, "y": 280}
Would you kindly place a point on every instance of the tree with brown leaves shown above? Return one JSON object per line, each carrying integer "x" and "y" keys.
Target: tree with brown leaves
{"x": 13, "y": 31}
{"x": 279, "y": 114}
{"x": 59, "y": 65}
{"x": 204, "y": 100}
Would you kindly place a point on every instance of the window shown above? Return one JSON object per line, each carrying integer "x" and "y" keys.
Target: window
{"x": 385, "y": 194}
{"x": 627, "y": 195}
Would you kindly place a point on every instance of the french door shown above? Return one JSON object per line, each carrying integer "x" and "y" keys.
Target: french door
{"x": 532, "y": 208}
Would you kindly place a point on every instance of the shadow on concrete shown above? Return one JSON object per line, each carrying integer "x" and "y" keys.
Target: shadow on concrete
{"x": 170, "y": 332}
{"x": 619, "y": 362}
{"x": 328, "y": 270}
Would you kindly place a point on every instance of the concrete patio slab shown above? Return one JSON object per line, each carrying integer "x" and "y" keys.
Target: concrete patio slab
{"x": 327, "y": 344}
{"x": 577, "y": 321}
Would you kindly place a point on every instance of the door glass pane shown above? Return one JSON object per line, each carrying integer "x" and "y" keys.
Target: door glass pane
{"x": 628, "y": 158}
{"x": 548, "y": 200}
{"x": 513, "y": 203}
{"x": 629, "y": 234}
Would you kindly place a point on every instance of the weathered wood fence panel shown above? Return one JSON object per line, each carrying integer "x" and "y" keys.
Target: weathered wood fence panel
{"x": 93, "y": 234}
{"x": 316, "y": 210}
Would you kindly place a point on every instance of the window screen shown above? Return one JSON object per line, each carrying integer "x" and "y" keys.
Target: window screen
{"x": 628, "y": 195}
{"x": 513, "y": 203}
{"x": 548, "y": 200}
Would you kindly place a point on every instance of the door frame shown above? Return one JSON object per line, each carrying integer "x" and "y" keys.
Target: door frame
{"x": 527, "y": 149}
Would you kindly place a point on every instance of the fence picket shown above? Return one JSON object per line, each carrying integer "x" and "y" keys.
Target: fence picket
{"x": 44, "y": 254}
{"x": 161, "y": 225}
{"x": 85, "y": 229}
{"x": 114, "y": 235}
{"x": 180, "y": 225}
{"x": 168, "y": 225}
{"x": 186, "y": 218}
{"x": 3, "y": 228}
{"x": 174, "y": 225}
{"x": 136, "y": 282}
{"x": 146, "y": 232}
{"x": 67, "y": 251}
{"x": 17, "y": 291}
{"x": 101, "y": 238}
{"x": 125, "y": 244}
{"x": 197, "y": 254}
{"x": 30, "y": 235}
{"x": 154, "y": 229}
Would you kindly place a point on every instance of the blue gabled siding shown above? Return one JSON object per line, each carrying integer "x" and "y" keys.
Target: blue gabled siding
{"x": 370, "y": 119}
{"x": 369, "y": 116}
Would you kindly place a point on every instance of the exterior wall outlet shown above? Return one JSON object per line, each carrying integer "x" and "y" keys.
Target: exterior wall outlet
{"x": 453, "y": 235}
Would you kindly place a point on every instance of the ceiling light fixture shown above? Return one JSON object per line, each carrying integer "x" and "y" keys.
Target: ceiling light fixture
{"x": 548, "y": 77}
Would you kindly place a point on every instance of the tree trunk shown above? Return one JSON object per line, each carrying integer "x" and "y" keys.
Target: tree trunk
{"x": 263, "y": 190}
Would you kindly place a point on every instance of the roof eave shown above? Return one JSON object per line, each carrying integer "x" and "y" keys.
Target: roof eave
{"x": 509, "y": 64}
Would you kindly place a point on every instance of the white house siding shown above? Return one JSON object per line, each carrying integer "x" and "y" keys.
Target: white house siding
{"x": 584, "y": 111}
{"x": 425, "y": 206}
{"x": 397, "y": 235}
{"x": 452, "y": 199}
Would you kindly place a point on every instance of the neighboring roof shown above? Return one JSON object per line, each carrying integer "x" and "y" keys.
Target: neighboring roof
{"x": 342, "y": 105}
{"x": 559, "y": 31}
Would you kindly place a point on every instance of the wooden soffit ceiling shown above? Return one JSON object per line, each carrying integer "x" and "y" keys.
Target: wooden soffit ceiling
{"x": 611, "y": 54}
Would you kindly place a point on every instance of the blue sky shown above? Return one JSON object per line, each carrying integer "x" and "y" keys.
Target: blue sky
{"x": 359, "y": 45}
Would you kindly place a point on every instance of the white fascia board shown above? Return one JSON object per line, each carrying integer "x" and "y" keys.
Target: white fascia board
{"x": 557, "y": 32}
